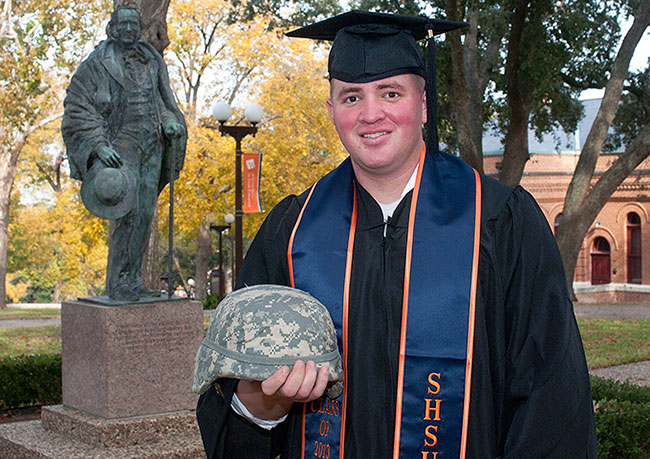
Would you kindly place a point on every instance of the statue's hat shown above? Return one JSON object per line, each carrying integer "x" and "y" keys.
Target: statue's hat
{"x": 108, "y": 192}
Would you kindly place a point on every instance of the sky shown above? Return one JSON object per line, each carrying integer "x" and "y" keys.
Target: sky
{"x": 639, "y": 60}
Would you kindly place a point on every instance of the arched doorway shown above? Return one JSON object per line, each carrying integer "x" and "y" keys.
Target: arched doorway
{"x": 600, "y": 262}
{"x": 633, "y": 248}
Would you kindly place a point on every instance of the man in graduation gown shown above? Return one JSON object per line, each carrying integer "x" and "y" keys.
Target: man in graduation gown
{"x": 446, "y": 288}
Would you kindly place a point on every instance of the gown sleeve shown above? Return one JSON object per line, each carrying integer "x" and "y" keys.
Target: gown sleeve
{"x": 225, "y": 434}
{"x": 548, "y": 408}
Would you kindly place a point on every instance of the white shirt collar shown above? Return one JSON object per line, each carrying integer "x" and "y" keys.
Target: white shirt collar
{"x": 388, "y": 209}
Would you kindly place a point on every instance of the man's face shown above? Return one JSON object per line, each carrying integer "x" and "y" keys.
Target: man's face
{"x": 379, "y": 123}
{"x": 128, "y": 26}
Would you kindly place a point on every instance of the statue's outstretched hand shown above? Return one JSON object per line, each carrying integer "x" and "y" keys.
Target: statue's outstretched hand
{"x": 109, "y": 156}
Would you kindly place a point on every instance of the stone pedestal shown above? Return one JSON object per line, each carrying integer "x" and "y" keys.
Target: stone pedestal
{"x": 66, "y": 433}
{"x": 120, "y": 361}
{"x": 127, "y": 375}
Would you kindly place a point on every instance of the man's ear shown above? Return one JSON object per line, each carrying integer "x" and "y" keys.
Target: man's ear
{"x": 424, "y": 107}
{"x": 330, "y": 108}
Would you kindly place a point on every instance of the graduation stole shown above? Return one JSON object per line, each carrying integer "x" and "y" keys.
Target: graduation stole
{"x": 437, "y": 330}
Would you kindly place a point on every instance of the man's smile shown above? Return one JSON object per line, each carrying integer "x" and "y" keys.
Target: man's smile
{"x": 374, "y": 135}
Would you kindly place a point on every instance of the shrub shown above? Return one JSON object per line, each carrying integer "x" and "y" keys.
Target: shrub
{"x": 211, "y": 301}
{"x": 28, "y": 380}
{"x": 622, "y": 419}
{"x": 608, "y": 389}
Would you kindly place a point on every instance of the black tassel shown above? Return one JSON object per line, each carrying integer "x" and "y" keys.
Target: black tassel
{"x": 432, "y": 93}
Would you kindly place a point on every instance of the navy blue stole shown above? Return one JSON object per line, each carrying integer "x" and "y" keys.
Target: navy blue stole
{"x": 437, "y": 329}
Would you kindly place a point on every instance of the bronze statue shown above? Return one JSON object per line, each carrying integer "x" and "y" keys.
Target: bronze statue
{"x": 125, "y": 136}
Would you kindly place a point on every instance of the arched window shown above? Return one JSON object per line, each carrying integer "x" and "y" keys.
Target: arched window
{"x": 600, "y": 262}
{"x": 633, "y": 248}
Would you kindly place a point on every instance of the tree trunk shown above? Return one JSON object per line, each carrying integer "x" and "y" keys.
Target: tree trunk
{"x": 570, "y": 235}
{"x": 474, "y": 89}
{"x": 574, "y": 225}
{"x": 596, "y": 138}
{"x": 477, "y": 73}
{"x": 56, "y": 295}
{"x": 186, "y": 286}
{"x": 10, "y": 148}
{"x": 460, "y": 107}
{"x": 515, "y": 153}
{"x": 203, "y": 251}
{"x": 581, "y": 206}
{"x": 519, "y": 99}
{"x": 8, "y": 159}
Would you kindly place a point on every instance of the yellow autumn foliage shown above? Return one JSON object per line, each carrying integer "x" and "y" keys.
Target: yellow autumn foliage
{"x": 16, "y": 287}
{"x": 64, "y": 244}
{"x": 252, "y": 64}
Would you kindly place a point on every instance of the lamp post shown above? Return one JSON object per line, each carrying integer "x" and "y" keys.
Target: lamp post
{"x": 230, "y": 218}
{"x": 221, "y": 112}
{"x": 230, "y": 238}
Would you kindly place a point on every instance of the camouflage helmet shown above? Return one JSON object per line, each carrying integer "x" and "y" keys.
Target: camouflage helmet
{"x": 256, "y": 330}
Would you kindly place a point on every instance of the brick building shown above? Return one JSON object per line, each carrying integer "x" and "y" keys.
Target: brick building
{"x": 614, "y": 262}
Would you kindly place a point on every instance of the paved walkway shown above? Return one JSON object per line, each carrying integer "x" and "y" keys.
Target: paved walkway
{"x": 634, "y": 373}
{"x": 34, "y": 306}
{"x": 613, "y": 311}
{"x": 28, "y": 323}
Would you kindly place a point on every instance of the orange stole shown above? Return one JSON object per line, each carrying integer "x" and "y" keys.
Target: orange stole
{"x": 444, "y": 224}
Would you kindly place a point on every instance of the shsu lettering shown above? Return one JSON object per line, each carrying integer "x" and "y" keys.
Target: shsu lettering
{"x": 432, "y": 413}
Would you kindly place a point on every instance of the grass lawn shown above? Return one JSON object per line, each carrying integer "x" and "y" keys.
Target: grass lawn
{"x": 611, "y": 342}
{"x": 30, "y": 340}
{"x": 14, "y": 314}
{"x": 607, "y": 342}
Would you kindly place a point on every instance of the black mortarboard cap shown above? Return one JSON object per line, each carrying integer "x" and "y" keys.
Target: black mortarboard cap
{"x": 370, "y": 46}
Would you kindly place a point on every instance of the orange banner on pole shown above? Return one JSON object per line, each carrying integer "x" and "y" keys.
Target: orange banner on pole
{"x": 252, "y": 175}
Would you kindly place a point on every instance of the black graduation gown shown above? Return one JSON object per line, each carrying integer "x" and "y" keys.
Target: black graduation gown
{"x": 530, "y": 394}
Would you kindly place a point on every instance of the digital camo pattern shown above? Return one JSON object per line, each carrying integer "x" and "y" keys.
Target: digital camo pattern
{"x": 256, "y": 330}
